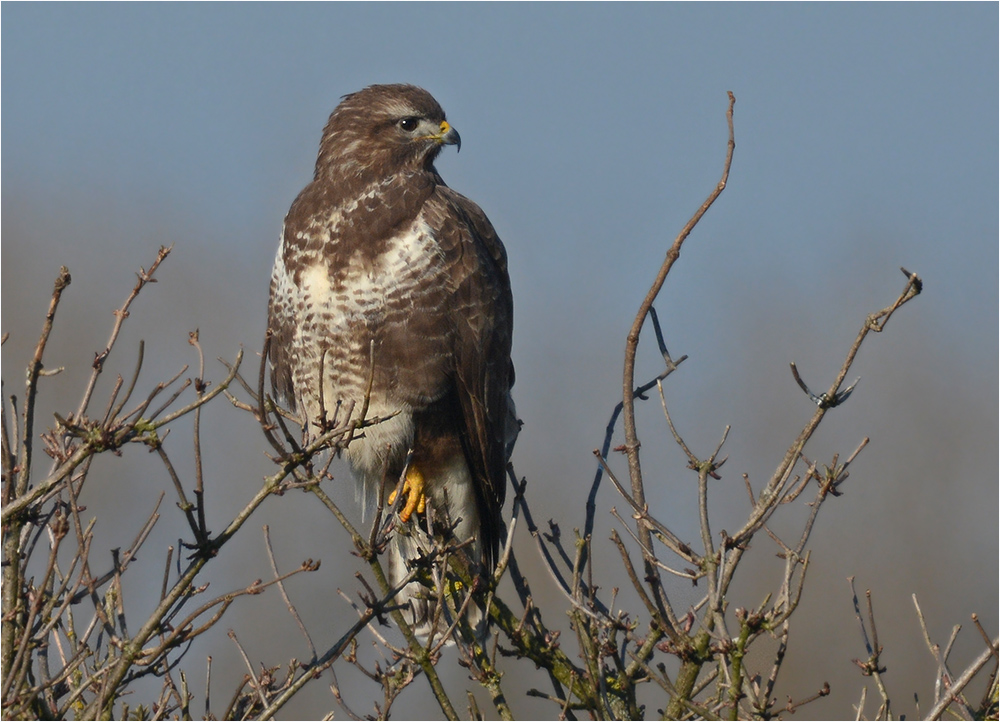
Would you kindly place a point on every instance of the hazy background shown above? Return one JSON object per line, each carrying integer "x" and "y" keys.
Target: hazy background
{"x": 867, "y": 140}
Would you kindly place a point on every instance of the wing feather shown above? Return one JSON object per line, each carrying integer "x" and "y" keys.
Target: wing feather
{"x": 482, "y": 317}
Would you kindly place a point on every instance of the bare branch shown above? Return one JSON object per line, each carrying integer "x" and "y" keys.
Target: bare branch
{"x": 284, "y": 594}
{"x": 143, "y": 277}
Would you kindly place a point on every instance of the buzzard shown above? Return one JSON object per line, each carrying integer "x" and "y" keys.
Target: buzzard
{"x": 387, "y": 278}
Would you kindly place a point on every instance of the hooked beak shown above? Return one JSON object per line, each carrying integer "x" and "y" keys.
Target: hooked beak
{"x": 449, "y": 136}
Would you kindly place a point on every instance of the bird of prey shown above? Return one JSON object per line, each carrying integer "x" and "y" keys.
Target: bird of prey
{"x": 390, "y": 288}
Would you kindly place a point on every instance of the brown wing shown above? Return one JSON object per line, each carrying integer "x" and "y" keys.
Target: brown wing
{"x": 482, "y": 314}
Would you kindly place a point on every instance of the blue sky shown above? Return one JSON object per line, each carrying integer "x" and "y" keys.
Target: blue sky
{"x": 866, "y": 140}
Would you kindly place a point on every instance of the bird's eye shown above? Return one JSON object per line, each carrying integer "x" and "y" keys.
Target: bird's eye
{"x": 409, "y": 124}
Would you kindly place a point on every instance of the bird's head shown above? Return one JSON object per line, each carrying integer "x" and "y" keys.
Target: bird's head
{"x": 384, "y": 129}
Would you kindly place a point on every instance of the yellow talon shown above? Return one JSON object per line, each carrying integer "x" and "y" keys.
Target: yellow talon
{"x": 413, "y": 487}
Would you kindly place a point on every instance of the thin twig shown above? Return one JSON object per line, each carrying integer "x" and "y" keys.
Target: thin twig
{"x": 632, "y": 343}
{"x": 284, "y": 594}
{"x": 143, "y": 277}
{"x": 970, "y": 672}
{"x": 255, "y": 682}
